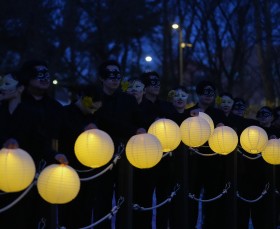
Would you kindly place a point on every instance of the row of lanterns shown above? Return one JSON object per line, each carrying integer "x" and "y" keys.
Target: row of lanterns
{"x": 94, "y": 148}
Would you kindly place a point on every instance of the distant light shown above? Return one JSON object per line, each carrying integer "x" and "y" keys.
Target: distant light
{"x": 55, "y": 82}
{"x": 175, "y": 26}
{"x": 148, "y": 58}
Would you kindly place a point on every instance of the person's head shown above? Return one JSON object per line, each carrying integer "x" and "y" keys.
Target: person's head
{"x": 34, "y": 75}
{"x": 206, "y": 92}
{"x": 90, "y": 98}
{"x": 8, "y": 83}
{"x": 239, "y": 107}
{"x": 178, "y": 97}
{"x": 10, "y": 86}
{"x": 135, "y": 87}
{"x": 265, "y": 116}
{"x": 226, "y": 102}
{"x": 151, "y": 81}
{"x": 110, "y": 75}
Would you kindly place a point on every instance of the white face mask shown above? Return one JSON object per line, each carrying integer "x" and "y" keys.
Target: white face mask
{"x": 227, "y": 102}
{"x": 136, "y": 86}
{"x": 180, "y": 96}
{"x": 8, "y": 83}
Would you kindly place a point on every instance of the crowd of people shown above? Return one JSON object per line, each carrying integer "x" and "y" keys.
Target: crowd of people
{"x": 123, "y": 108}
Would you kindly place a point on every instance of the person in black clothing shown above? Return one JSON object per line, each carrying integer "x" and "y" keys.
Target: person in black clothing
{"x": 179, "y": 165}
{"x": 36, "y": 126}
{"x": 207, "y": 172}
{"x": 78, "y": 117}
{"x": 149, "y": 180}
{"x": 10, "y": 97}
{"x": 252, "y": 178}
{"x": 121, "y": 118}
{"x": 234, "y": 110}
{"x": 141, "y": 219}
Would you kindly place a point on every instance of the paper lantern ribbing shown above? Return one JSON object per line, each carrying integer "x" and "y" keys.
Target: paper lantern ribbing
{"x": 195, "y": 131}
{"x": 271, "y": 153}
{"x": 143, "y": 150}
{"x": 253, "y": 139}
{"x": 94, "y": 148}
{"x": 17, "y": 169}
{"x": 168, "y": 133}
{"x": 208, "y": 119}
{"x": 58, "y": 184}
{"x": 223, "y": 140}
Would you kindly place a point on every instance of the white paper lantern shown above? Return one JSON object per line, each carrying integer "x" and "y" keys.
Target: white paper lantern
{"x": 195, "y": 131}
{"x": 168, "y": 133}
{"x": 94, "y": 148}
{"x": 208, "y": 119}
{"x": 223, "y": 140}
{"x": 253, "y": 139}
{"x": 143, "y": 151}
{"x": 271, "y": 153}
{"x": 58, "y": 184}
{"x": 17, "y": 169}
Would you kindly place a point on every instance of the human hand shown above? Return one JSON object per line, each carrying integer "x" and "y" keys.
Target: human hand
{"x": 141, "y": 131}
{"x": 61, "y": 158}
{"x": 195, "y": 112}
{"x": 90, "y": 126}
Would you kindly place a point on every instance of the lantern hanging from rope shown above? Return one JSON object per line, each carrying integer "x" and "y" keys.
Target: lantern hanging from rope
{"x": 253, "y": 139}
{"x": 58, "y": 184}
{"x": 223, "y": 140}
{"x": 168, "y": 133}
{"x": 94, "y": 148}
{"x": 208, "y": 119}
{"x": 271, "y": 153}
{"x": 17, "y": 168}
{"x": 195, "y": 131}
{"x": 143, "y": 150}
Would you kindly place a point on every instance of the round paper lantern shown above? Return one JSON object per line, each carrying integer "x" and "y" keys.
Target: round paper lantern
{"x": 168, "y": 133}
{"x": 271, "y": 153}
{"x": 143, "y": 150}
{"x": 58, "y": 184}
{"x": 94, "y": 148}
{"x": 253, "y": 139}
{"x": 208, "y": 119}
{"x": 223, "y": 140}
{"x": 195, "y": 131}
{"x": 17, "y": 169}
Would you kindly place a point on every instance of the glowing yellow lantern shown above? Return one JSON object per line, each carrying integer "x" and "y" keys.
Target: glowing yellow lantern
{"x": 271, "y": 153}
{"x": 143, "y": 150}
{"x": 223, "y": 140}
{"x": 253, "y": 139}
{"x": 195, "y": 131}
{"x": 94, "y": 148}
{"x": 208, "y": 119}
{"x": 58, "y": 184}
{"x": 17, "y": 169}
{"x": 168, "y": 133}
